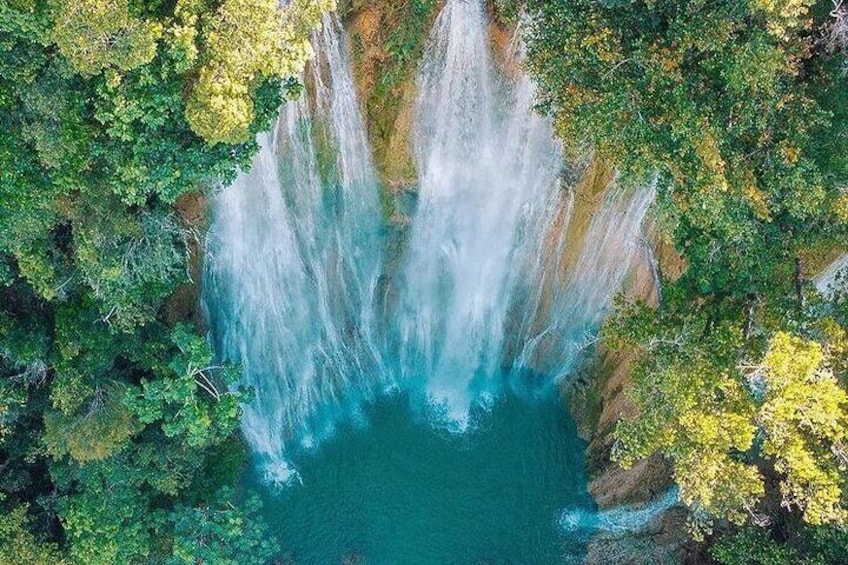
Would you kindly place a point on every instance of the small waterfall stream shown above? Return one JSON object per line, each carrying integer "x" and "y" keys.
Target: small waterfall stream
{"x": 832, "y": 279}
{"x": 498, "y": 289}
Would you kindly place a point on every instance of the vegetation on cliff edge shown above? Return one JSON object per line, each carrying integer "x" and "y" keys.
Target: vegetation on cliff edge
{"x": 738, "y": 111}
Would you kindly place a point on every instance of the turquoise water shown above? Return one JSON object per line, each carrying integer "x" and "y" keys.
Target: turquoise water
{"x": 398, "y": 491}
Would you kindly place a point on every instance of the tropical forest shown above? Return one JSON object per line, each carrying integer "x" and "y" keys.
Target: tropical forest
{"x": 423, "y": 282}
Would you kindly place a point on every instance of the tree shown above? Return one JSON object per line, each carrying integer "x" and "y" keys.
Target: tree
{"x": 693, "y": 407}
{"x": 190, "y": 395}
{"x": 114, "y": 418}
{"x": 804, "y": 417}
{"x": 221, "y": 533}
{"x": 736, "y": 110}
{"x": 19, "y": 545}
{"x": 757, "y": 546}
{"x": 247, "y": 41}
{"x": 719, "y": 420}
{"x": 96, "y": 35}
{"x": 730, "y": 105}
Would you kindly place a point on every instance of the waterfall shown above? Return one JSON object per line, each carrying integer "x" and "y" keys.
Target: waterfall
{"x": 497, "y": 289}
{"x": 293, "y": 259}
{"x": 490, "y": 203}
{"x": 488, "y": 172}
{"x": 582, "y": 294}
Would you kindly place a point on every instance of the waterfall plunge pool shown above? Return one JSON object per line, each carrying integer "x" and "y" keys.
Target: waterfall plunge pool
{"x": 490, "y": 276}
{"x": 393, "y": 489}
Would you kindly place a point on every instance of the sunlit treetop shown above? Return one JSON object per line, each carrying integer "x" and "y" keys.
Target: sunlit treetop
{"x": 246, "y": 41}
{"x": 227, "y": 48}
{"x": 98, "y": 34}
{"x": 804, "y": 417}
{"x": 721, "y": 421}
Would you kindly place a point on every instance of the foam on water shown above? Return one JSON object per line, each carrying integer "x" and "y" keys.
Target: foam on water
{"x": 619, "y": 520}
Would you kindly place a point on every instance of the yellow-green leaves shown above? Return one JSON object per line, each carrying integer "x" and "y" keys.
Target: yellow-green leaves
{"x": 713, "y": 482}
{"x": 98, "y": 34}
{"x": 700, "y": 417}
{"x": 225, "y": 50}
{"x": 245, "y": 42}
{"x": 785, "y": 16}
{"x": 20, "y": 546}
{"x": 100, "y": 429}
{"x": 805, "y": 420}
{"x": 219, "y": 109}
{"x": 181, "y": 35}
{"x": 721, "y": 421}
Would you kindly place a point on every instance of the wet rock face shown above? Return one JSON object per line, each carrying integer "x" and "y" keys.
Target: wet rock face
{"x": 646, "y": 481}
{"x": 388, "y": 38}
{"x": 598, "y": 401}
{"x": 661, "y": 538}
{"x": 387, "y": 43}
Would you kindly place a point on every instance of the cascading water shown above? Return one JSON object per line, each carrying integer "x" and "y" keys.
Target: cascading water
{"x": 489, "y": 291}
{"x": 832, "y": 279}
{"x": 479, "y": 253}
{"x": 579, "y": 296}
{"x": 293, "y": 260}
{"x": 488, "y": 175}
{"x": 502, "y": 278}
{"x": 620, "y": 520}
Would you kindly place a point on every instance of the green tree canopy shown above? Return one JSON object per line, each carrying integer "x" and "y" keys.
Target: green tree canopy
{"x": 116, "y": 425}
{"x": 737, "y": 110}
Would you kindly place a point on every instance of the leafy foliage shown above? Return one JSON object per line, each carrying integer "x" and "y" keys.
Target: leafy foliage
{"x": 245, "y": 42}
{"x": 111, "y": 418}
{"x": 692, "y": 409}
{"x": 804, "y": 416}
{"x": 96, "y": 35}
{"x": 810, "y": 546}
{"x": 19, "y": 545}
{"x": 221, "y": 533}
{"x": 734, "y": 119}
{"x": 180, "y": 397}
{"x": 716, "y": 419}
{"x": 736, "y": 110}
